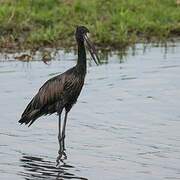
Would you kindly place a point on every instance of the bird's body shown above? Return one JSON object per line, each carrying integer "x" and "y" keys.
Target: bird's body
{"x": 60, "y": 92}
{"x": 57, "y": 93}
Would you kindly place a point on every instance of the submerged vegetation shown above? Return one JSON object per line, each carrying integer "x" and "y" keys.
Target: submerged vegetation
{"x": 113, "y": 23}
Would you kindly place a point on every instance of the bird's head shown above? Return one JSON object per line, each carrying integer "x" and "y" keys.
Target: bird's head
{"x": 81, "y": 31}
{"x": 81, "y": 35}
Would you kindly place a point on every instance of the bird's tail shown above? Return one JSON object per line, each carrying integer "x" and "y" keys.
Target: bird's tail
{"x": 29, "y": 118}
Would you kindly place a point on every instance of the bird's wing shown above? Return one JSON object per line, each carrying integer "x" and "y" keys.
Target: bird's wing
{"x": 51, "y": 91}
{"x": 48, "y": 94}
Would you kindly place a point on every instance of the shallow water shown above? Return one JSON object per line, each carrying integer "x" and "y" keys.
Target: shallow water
{"x": 125, "y": 125}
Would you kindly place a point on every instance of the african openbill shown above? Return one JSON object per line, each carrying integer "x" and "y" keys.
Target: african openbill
{"x": 61, "y": 92}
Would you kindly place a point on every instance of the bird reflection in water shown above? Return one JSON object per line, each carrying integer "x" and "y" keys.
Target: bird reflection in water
{"x": 37, "y": 168}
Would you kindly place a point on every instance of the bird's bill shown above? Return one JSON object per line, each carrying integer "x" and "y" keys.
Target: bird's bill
{"x": 92, "y": 50}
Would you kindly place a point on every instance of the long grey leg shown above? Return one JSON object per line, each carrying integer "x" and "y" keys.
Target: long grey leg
{"x": 59, "y": 134}
{"x": 63, "y": 130}
{"x": 60, "y": 141}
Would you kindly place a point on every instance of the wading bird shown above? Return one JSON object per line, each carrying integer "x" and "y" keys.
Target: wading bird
{"x": 61, "y": 92}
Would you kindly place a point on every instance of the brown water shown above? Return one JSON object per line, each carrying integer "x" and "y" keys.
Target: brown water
{"x": 125, "y": 125}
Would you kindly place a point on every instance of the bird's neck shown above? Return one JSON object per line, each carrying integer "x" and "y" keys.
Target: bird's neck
{"x": 81, "y": 63}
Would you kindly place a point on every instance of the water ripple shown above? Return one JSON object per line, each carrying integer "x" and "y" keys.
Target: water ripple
{"x": 37, "y": 168}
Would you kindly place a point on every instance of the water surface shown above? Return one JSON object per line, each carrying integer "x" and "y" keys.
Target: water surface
{"x": 125, "y": 125}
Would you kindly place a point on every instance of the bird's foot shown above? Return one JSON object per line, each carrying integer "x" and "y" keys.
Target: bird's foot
{"x": 62, "y": 156}
{"x": 58, "y": 159}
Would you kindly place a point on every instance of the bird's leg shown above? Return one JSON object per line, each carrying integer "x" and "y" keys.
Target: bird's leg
{"x": 63, "y": 133}
{"x": 59, "y": 134}
{"x": 60, "y": 142}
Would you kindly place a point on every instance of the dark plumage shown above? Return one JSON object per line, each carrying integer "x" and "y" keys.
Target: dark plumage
{"x": 57, "y": 93}
{"x": 61, "y": 92}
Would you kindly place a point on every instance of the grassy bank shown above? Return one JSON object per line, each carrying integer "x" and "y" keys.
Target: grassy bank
{"x": 115, "y": 23}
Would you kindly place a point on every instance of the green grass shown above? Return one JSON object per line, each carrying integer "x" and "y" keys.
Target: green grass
{"x": 113, "y": 23}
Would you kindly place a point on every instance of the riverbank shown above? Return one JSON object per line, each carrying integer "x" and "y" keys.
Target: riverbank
{"x": 115, "y": 24}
